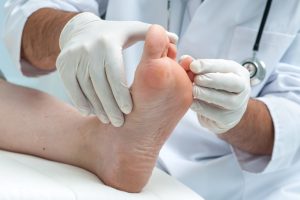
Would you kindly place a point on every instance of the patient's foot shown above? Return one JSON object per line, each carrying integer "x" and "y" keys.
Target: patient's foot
{"x": 162, "y": 94}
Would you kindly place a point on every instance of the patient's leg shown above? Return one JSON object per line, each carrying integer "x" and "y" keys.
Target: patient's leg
{"x": 34, "y": 123}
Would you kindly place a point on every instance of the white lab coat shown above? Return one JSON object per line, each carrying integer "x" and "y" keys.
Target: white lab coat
{"x": 216, "y": 29}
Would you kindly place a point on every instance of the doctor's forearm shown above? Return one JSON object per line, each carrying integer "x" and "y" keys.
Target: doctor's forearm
{"x": 255, "y": 131}
{"x": 40, "y": 38}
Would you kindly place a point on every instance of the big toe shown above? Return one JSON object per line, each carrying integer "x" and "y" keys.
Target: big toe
{"x": 154, "y": 70}
{"x": 156, "y": 43}
{"x": 158, "y": 76}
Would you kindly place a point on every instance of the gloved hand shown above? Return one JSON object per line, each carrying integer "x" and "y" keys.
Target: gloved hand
{"x": 221, "y": 91}
{"x": 91, "y": 64}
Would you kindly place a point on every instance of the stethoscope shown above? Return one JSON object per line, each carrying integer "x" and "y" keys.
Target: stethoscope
{"x": 255, "y": 66}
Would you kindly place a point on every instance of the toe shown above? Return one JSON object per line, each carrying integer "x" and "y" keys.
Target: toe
{"x": 185, "y": 62}
{"x": 172, "y": 51}
{"x": 156, "y": 43}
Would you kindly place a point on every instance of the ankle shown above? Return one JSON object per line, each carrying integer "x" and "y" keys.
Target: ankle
{"x": 89, "y": 144}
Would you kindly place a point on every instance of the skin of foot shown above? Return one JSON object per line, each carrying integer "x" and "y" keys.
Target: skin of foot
{"x": 125, "y": 157}
{"x": 35, "y": 123}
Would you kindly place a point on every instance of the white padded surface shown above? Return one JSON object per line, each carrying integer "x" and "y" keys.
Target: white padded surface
{"x": 25, "y": 177}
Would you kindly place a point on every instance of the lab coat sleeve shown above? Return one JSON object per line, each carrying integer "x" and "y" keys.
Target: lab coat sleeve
{"x": 16, "y": 13}
{"x": 281, "y": 94}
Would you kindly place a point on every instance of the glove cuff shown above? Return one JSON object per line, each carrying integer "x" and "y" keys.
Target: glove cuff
{"x": 77, "y": 22}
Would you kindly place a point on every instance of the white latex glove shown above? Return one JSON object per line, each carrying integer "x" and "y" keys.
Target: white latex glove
{"x": 91, "y": 64}
{"x": 221, "y": 93}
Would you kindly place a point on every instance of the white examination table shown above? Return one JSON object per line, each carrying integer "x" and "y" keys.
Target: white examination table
{"x": 24, "y": 177}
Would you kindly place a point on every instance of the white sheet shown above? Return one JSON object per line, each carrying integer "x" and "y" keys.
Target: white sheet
{"x": 25, "y": 177}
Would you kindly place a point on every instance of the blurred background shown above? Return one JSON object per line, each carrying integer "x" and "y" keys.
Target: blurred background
{"x": 49, "y": 83}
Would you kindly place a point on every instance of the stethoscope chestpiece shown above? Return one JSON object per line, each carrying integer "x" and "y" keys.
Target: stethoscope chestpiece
{"x": 256, "y": 68}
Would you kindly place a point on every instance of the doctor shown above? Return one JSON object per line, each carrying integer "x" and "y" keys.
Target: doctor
{"x": 245, "y": 143}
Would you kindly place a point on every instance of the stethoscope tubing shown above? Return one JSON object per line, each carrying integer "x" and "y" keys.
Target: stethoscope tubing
{"x": 255, "y": 66}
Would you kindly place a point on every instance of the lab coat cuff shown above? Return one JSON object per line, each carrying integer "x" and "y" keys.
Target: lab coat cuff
{"x": 285, "y": 114}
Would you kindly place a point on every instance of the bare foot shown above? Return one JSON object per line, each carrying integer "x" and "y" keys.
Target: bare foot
{"x": 162, "y": 92}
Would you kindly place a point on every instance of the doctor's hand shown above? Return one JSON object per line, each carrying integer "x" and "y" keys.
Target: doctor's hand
{"x": 221, "y": 92}
{"x": 91, "y": 64}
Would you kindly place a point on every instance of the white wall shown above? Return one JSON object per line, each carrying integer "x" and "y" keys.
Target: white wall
{"x": 50, "y": 83}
